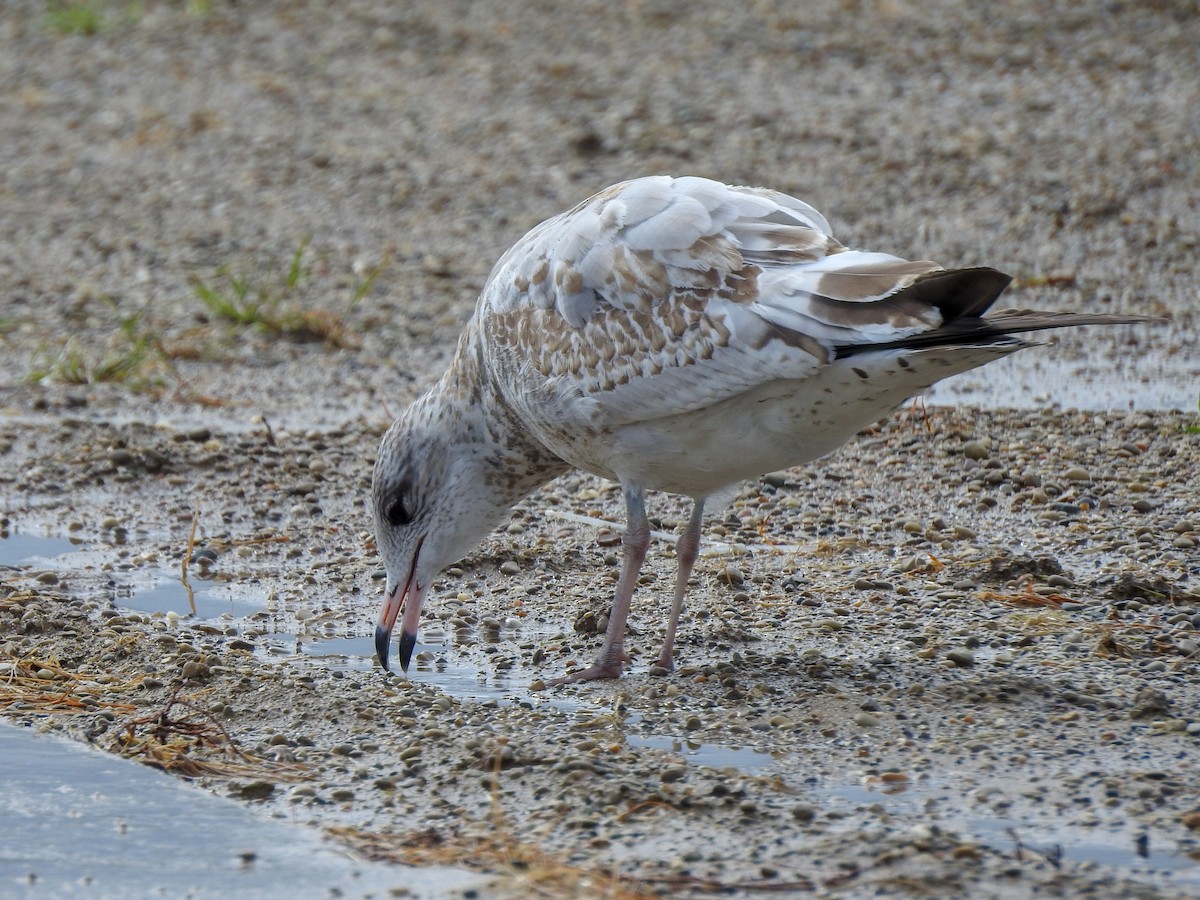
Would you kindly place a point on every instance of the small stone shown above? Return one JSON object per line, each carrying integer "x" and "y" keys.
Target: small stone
{"x": 732, "y": 575}
{"x": 193, "y": 668}
{"x": 804, "y": 812}
{"x": 1149, "y": 702}
{"x": 922, "y": 836}
{"x": 672, "y": 774}
{"x": 961, "y": 657}
{"x": 865, "y": 720}
{"x": 510, "y": 568}
{"x": 256, "y": 790}
{"x": 975, "y": 450}
{"x": 1077, "y": 473}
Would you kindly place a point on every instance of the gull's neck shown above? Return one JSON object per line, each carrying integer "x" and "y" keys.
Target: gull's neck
{"x": 511, "y": 460}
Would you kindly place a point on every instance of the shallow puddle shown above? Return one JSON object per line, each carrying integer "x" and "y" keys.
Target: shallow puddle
{"x": 350, "y": 654}
{"x": 434, "y": 665}
{"x": 717, "y": 756}
{"x": 213, "y": 601}
{"x": 1133, "y": 850}
{"x": 80, "y": 823}
{"x": 19, "y": 550}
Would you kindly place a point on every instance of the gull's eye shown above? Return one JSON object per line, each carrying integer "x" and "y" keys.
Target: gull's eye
{"x": 398, "y": 514}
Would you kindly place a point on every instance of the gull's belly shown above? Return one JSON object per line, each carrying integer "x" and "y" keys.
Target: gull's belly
{"x": 773, "y": 426}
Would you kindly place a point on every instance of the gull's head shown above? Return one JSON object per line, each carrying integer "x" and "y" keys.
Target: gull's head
{"x": 430, "y": 508}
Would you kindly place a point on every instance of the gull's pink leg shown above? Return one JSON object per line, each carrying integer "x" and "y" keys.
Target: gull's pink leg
{"x": 686, "y": 552}
{"x": 612, "y": 656}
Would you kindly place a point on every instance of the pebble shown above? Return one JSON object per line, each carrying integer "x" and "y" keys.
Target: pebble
{"x": 732, "y": 575}
{"x": 865, "y": 720}
{"x": 256, "y": 790}
{"x": 804, "y": 812}
{"x": 976, "y": 450}
{"x": 961, "y": 657}
{"x": 195, "y": 669}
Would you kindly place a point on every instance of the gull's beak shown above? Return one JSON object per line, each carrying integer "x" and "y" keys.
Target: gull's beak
{"x": 409, "y": 597}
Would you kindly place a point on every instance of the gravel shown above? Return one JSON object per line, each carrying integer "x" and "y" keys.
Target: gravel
{"x": 1038, "y": 677}
{"x": 960, "y": 653}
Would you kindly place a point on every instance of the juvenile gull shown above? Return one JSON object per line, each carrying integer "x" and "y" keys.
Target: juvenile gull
{"x": 670, "y": 334}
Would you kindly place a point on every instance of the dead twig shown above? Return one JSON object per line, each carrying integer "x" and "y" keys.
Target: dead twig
{"x": 187, "y": 558}
{"x": 167, "y": 742}
{"x": 1027, "y": 597}
{"x": 43, "y": 686}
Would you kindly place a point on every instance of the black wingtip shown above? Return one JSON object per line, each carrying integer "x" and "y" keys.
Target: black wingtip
{"x": 960, "y": 293}
{"x": 382, "y": 639}
{"x": 408, "y": 640}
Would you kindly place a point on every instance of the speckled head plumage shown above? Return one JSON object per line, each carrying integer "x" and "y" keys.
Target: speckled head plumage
{"x": 442, "y": 479}
{"x": 405, "y": 487}
{"x": 427, "y": 512}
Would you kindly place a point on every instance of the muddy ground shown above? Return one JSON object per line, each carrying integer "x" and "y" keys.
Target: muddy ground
{"x": 956, "y": 658}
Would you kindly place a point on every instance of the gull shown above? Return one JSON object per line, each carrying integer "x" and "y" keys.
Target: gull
{"x": 669, "y": 334}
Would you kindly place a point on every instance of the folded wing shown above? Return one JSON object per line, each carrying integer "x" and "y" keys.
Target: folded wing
{"x": 665, "y": 295}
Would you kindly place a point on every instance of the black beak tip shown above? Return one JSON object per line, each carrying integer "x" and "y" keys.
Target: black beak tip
{"x": 408, "y": 640}
{"x": 382, "y": 638}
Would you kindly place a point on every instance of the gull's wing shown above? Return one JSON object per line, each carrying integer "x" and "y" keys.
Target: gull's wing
{"x": 665, "y": 295}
